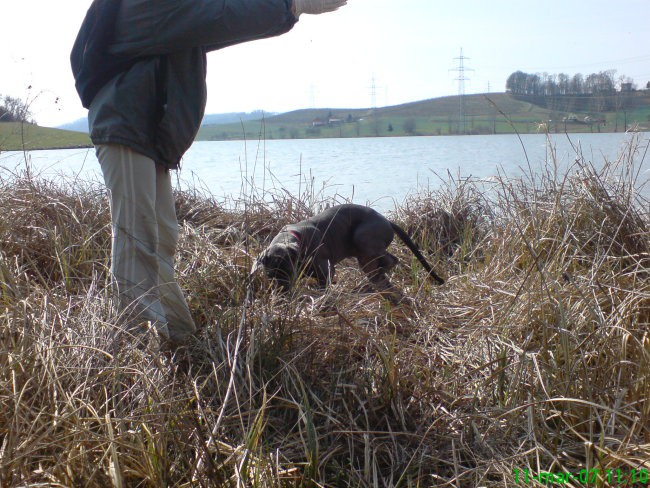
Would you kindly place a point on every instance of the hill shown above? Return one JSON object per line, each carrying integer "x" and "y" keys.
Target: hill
{"x": 491, "y": 113}
{"x": 234, "y": 117}
{"x": 16, "y": 136}
{"x": 81, "y": 125}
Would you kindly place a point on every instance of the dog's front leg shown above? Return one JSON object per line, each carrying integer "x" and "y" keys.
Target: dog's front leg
{"x": 323, "y": 271}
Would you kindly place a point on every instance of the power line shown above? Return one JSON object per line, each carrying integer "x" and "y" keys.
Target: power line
{"x": 632, "y": 60}
{"x": 312, "y": 96}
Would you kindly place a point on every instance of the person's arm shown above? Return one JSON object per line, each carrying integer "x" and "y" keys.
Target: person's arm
{"x": 151, "y": 27}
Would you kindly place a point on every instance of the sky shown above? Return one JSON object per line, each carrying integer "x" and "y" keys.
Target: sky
{"x": 410, "y": 48}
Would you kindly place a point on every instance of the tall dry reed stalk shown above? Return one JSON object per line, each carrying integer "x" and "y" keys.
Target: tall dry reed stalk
{"x": 533, "y": 359}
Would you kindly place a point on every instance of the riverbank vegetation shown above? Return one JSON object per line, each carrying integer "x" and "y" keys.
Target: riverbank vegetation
{"x": 533, "y": 360}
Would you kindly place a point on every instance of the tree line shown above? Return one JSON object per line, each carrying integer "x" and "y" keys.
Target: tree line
{"x": 544, "y": 84}
{"x": 14, "y": 110}
{"x": 598, "y": 92}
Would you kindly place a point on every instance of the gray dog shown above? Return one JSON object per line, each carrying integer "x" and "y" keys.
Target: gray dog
{"x": 315, "y": 245}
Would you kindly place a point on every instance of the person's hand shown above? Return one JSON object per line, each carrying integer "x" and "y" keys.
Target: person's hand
{"x": 317, "y": 6}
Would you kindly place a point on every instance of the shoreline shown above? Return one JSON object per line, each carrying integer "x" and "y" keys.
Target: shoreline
{"x": 91, "y": 146}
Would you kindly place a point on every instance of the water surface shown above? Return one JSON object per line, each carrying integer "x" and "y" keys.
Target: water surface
{"x": 379, "y": 171}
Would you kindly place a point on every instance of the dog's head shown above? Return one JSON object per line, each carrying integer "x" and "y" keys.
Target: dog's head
{"x": 280, "y": 262}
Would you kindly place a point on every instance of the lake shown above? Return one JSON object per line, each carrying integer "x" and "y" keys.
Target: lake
{"x": 379, "y": 171}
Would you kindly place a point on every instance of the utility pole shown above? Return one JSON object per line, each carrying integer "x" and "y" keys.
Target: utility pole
{"x": 373, "y": 102}
{"x": 373, "y": 94}
{"x": 461, "y": 69}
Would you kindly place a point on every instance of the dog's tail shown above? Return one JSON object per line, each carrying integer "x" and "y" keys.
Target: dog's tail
{"x": 414, "y": 249}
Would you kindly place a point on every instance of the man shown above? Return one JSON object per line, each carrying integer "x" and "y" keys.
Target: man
{"x": 140, "y": 69}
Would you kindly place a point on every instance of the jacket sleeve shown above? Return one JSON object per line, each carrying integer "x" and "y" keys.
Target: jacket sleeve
{"x": 153, "y": 27}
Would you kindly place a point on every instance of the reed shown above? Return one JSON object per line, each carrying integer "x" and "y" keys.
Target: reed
{"x": 532, "y": 360}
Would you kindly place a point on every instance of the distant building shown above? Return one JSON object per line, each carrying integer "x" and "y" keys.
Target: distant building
{"x": 319, "y": 122}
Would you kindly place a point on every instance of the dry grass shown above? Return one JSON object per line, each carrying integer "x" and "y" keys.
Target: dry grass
{"x": 534, "y": 356}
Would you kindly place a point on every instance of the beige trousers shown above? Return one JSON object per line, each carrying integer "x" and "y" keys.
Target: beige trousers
{"x": 145, "y": 234}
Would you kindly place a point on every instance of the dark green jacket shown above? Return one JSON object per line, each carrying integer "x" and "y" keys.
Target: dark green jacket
{"x": 155, "y": 62}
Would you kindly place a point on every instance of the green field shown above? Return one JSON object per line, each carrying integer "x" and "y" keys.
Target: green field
{"x": 494, "y": 113}
{"x": 15, "y": 136}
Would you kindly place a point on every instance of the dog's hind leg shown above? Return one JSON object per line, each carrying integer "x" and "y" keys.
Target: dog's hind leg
{"x": 375, "y": 269}
{"x": 387, "y": 262}
{"x": 371, "y": 240}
